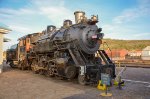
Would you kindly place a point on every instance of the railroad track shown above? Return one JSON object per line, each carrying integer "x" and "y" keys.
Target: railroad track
{"x": 143, "y": 65}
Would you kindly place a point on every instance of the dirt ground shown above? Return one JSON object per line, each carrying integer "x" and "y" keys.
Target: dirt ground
{"x": 17, "y": 84}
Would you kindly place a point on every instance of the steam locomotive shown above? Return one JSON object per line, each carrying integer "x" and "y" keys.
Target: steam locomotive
{"x": 69, "y": 52}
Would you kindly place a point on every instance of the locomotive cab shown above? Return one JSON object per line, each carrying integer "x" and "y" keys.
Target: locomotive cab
{"x": 12, "y": 56}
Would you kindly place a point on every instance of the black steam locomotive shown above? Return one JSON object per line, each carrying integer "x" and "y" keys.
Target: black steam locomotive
{"x": 71, "y": 51}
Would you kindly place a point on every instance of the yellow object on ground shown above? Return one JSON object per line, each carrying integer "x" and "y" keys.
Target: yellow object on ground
{"x": 106, "y": 95}
{"x": 116, "y": 83}
{"x": 118, "y": 78}
{"x": 100, "y": 86}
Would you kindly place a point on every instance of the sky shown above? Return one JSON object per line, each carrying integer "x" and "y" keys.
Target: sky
{"x": 119, "y": 19}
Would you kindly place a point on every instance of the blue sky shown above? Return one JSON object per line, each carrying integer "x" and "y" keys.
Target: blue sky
{"x": 120, "y": 19}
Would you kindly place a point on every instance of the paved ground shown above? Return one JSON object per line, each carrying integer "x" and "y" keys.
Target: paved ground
{"x": 16, "y": 84}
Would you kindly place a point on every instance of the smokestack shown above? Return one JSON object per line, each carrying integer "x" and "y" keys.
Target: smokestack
{"x": 79, "y": 16}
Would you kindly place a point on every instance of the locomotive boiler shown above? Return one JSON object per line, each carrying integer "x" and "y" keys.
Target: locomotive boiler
{"x": 72, "y": 51}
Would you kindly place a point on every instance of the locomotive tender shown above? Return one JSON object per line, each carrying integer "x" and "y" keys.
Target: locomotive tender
{"x": 71, "y": 51}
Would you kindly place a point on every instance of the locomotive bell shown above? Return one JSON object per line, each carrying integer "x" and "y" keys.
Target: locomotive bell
{"x": 94, "y": 18}
{"x": 79, "y": 16}
{"x": 50, "y": 28}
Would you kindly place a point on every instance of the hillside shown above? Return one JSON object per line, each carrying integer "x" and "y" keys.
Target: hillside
{"x": 126, "y": 44}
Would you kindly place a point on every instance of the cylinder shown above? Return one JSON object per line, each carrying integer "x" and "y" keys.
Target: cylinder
{"x": 79, "y": 15}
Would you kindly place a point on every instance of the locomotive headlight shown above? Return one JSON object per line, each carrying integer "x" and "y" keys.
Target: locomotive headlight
{"x": 100, "y": 35}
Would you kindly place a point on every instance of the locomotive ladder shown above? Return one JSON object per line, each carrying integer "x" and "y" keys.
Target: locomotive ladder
{"x": 105, "y": 57}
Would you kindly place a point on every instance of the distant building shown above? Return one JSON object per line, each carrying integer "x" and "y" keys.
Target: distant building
{"x": 117, "y": 54}
{"x": 134, "y": 55}
{"x": 146, "y": 53}
{"x": 3, "y": 30}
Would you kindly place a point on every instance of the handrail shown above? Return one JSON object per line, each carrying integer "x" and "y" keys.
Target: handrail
{"x": 108, "y": 48}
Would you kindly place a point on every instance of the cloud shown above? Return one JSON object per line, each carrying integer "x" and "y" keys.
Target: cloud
{"x": 56, "y": 11}
{"x": 122, "y": 26}
{"x": 16, "y": 19}
{"x": 127, "y": 16}
{"x": 34, "y": 17}
{"x": 115, "y": 31}
{"x": 142, "y": 34}
{"x": 21, "y": 11}
{"x": 20, "y": 28}
{"x": 130, "y": 14}
{"x": 52, "y": 11}
{"x": 121, "y": 31}
{"x": 57, "y": 14}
